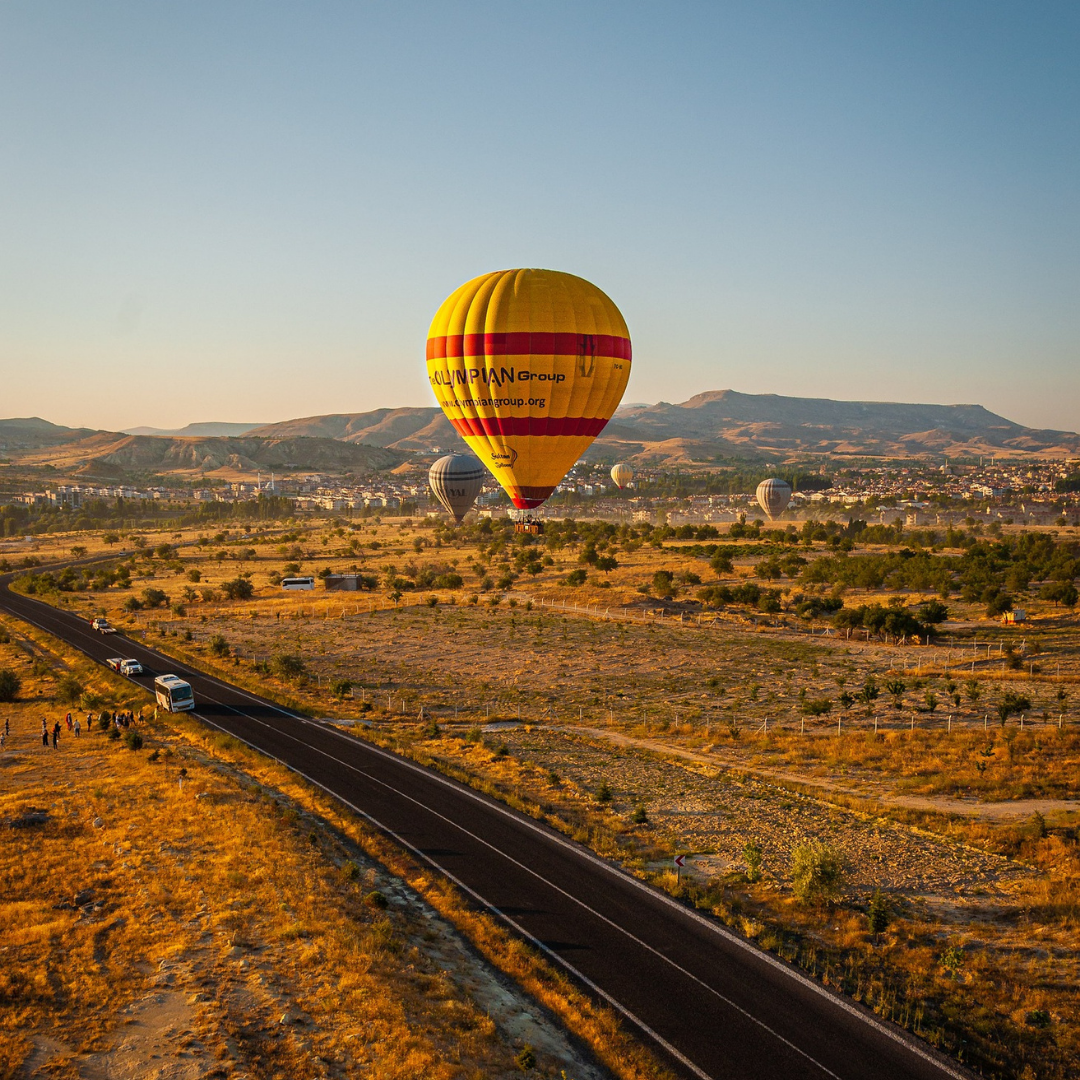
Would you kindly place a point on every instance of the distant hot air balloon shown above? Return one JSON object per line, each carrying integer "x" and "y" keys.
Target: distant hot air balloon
{"x": 622, "y": 475}
{"x": 528, "y": 366}
{"x": 773, "y": 495}
{"x": 455, "y": 481}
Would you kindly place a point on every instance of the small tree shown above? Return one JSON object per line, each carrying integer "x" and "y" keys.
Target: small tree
{"x": 753, "y": 856}
{"x": 154, "y": 598}
{"x": 341, "y": 688}
{"x": 1012, "y": 703}
{"x": 974, "y": 690}
{"x": 218, "y": 646}
{"x": 931, "y": 700}
{"x": 10, "y": 685}
{"x": 869, "y": 694}
{"x": 817, "y": 872}
{"x": 68, "y": 689}
{"x": 238, "y": 589}
{"x": 288, "y": 666}
{"x": 878, "y": 913}
{"x": 896, "y": 688}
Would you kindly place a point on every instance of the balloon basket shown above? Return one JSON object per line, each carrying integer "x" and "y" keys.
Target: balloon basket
{"x": 528, "y": 522}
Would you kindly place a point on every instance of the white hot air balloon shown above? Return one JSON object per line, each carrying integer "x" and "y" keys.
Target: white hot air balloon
{"x": 773, "y": 496}
{"x": 455, "y": 481}
{"x": 622, "y": 475}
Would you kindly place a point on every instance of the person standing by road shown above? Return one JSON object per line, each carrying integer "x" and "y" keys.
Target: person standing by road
{"x": 44, "y": 732}
{"x": 78, "y": 730}
{"x": 55, "y": 736}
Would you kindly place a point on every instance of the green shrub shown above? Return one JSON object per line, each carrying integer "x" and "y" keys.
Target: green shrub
{"x": 113, "y": 732}
{"x": 817, "y": 872}
{"x": 878, "y": 912}
{"x": 10, "y": 685}
{"x": 289, "y": 666}
{"x": 753, "y": 856}
{"x": 133, "y": 740}
{"x": 238, "y": 589}
{"x": 69, "y": 690}
{"x": 603, "y": 792}
{"x": 218, "y": 646}
{"x": 341, "y": 688}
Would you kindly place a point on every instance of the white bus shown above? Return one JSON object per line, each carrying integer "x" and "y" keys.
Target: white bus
{"x": 298, "y": 583}
{"x": 173, "y": 694}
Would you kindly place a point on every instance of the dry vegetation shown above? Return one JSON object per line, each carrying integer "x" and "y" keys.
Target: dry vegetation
{"x": 188, "y": 909}
{"x": 735, "y": 735}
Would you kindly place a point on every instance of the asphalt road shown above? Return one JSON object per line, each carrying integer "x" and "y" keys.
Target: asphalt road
{"x": 712, "y": 1004}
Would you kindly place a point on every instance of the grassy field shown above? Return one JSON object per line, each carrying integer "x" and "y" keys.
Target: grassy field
{"x": 648, "y": 725}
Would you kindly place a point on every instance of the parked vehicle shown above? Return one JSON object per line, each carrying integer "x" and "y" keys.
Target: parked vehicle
{"x": 103, "y": 626}
{"x": 130, "y": 667}
{"x": 298, "y": 583}
{"x": 173, "y": 694}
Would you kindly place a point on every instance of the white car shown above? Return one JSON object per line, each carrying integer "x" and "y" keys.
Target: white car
{"x": 130, "y": 667}
{"x": 103, "y": 626}
{"x": 115, "y": 662}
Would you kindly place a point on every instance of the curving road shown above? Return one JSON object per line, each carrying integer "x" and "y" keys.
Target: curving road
{"x": 713, "y": 1005}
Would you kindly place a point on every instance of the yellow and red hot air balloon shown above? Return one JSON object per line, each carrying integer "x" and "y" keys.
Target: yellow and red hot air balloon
{"x": 528, "y": 365}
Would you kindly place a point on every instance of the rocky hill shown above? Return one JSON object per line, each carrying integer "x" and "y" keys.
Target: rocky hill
{"x": 31, "y": 432}
{"x": 117, "y": 456}
{"x": 417, "y": 429}
{"x": 727, "y": 423}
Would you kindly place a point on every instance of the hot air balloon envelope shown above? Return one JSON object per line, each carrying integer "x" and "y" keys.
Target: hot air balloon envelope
{"x": 455, "y": 481}
{"x": 528, "y": 366}
{"x": 773, "y": 496}
{"x": 622, "y": 475}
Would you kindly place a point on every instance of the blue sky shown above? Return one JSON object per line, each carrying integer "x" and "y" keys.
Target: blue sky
{"x": 251, "y": 211}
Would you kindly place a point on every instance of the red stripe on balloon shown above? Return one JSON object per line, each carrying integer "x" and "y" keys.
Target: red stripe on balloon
{"x": 530, "y": 425}
{"x": 528, "y": 498}
{"x": 524, "y": 343}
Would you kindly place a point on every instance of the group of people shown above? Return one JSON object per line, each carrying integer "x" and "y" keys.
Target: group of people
{"x": 120, "y": 720}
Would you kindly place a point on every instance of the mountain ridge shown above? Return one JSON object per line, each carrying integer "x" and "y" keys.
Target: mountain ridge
{"x": 708, "y": 428}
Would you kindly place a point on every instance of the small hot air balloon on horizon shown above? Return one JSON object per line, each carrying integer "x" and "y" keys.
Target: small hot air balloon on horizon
{"x": 622, "y": 474}
{"x": 773, "y": 496}
{"x": 528, "y": 366}
{"x": 455, "y": 481}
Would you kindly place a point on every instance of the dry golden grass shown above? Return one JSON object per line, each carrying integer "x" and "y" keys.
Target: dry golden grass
{"x": 223, "y": 925}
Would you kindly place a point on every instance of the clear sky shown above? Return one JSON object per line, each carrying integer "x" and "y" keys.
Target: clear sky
{"x": 251, "y": 210}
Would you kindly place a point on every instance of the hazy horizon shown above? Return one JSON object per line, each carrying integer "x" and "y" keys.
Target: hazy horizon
{"x": 253, "y": 210}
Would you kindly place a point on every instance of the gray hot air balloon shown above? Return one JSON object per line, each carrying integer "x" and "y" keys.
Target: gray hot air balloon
{"x": 455, "y": 481}
{"x": 773, "y": 495}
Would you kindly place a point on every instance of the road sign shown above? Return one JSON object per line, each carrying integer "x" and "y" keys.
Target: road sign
{"x": 680, "y": 860}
